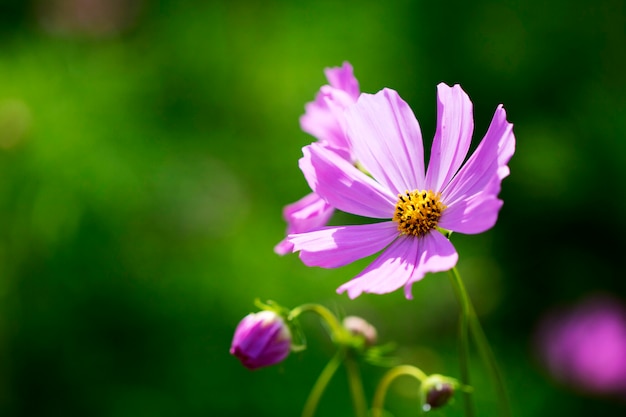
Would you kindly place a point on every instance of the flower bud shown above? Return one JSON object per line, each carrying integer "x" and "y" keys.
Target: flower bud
{"x": 359, "y": 327}
{"x": 439, "y": 395}
{"x": 437, "y": 391}
{"x": 261, "y": 339}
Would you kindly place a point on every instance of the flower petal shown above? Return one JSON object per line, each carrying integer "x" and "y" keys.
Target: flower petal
{"x": 476, "y": 213}
{"x": 332, "y": 247}
{"x": 308, "y": 213}
{"x": 342, "y": 185}
{"x": 436, "y": 254}
{"x": 343, "y": 79}
{"x": 386, "y": 140}
{"x": 478, "y": 182}
{"x": 455, "y": 125}
{"x": 388, "y": 272}
{"x": 405, "y": 261}
{"x": 324, "y": 117}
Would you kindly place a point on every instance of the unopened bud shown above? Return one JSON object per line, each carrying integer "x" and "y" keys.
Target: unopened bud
{"x": 437, "y": 391}
{"x": 359, "y": 327}
{"x": 261, "y": 339}
{"x": 439, "y": 395}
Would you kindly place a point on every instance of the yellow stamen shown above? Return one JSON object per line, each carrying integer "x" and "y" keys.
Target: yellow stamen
{"x": 418, "y": 212}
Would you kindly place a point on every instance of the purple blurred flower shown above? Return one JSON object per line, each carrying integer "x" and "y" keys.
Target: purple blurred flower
{"x": 261, "y": 339}
{"x": 323, "y": 119}
{"x": 387, "y": 142}
{"x": 585, "y": 346}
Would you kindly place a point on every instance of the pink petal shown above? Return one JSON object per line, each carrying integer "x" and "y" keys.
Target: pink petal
{"x": 323, "y": 117}
{"x": 386, "y": 140}
{"x": 436, "y": 254}
{"x": 487, "y": 161}
{"x": 343, "y": 186}
{"x": 476, "y": 213}
{"x": 478, "y": 181}
{"x": 342, "y": 78}
{"x": 283, "y": 247}
{"x": 506, "y": 146}
{"x": 405, "y": 261}
{"x": 455, "y": 124}
{"x": 388, "y": 272}
{"x": 308, "y": 213}
{"x": 332, "y": 247}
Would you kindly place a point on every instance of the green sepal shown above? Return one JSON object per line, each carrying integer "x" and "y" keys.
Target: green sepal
{"x": 447, "y": 233}
{"x": 298, "y": 340}
{"x": 377, "y": 355}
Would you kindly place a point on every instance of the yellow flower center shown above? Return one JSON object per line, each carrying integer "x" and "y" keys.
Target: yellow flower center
{"x": 418, "y": 212}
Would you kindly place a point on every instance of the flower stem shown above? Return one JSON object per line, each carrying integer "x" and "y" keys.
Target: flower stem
{"x": 322, "y": 382}
{"x": 387, "y": 379}
{"x": 468, "y": 317}
{"x": 336, "y": 330}
{"x": 463, "y": 299}
{"x": 341, "y": 337}
{"x": 489, "y": 358}
{"x": 356, "y": 386}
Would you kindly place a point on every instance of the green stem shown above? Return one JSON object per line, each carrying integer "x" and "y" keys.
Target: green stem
{"x": 337, "y": 331}
{"x": 322, "y": 382}
{"x": 356, "y": 386}
{"x": 484, "y": 349}
{"x": 463, "y": 299}
{"x": 387, "y": 379}
{"x": 486, "y": 354}
{"x": 341, "y": 337}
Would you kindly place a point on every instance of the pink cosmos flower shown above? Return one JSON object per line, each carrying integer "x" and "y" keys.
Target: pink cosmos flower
{"x": 585, "y": 346}
{"x": 323, "y": 119}
{"x": 415, "y": 205}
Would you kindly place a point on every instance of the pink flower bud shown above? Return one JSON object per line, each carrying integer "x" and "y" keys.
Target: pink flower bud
{"x": 261, "y": 339}
{"x": 359, "y": 327}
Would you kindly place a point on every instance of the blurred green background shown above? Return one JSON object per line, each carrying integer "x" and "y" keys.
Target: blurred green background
{"x": 147, "y": 150}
